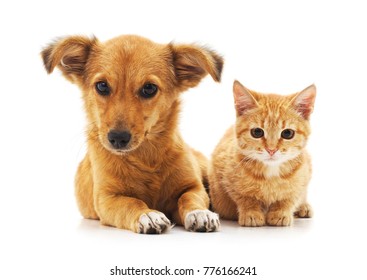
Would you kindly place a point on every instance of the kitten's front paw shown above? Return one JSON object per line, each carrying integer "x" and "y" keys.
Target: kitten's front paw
{"x": 251, "y": 219}
{"x": 279, "y": 218}
{"x": 304, "y": 211}
{"x": 153, "y": 223}
{"x": 202, "y": 221}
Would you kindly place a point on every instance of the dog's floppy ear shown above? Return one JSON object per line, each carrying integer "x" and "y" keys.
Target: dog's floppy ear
{"x": 69, "y": 54}
{"x": 192, "y": 63}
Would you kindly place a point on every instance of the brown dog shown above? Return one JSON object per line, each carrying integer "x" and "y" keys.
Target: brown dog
{"x": 137, "y": 166}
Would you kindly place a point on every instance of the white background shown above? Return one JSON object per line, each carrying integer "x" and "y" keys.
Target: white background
{"x": 270, "y": 46}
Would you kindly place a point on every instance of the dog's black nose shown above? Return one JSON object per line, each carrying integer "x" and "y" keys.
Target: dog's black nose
{"x": 119, "y": 139}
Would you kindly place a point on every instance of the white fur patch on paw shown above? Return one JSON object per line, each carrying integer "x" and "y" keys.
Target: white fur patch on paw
{"x": 153, "y": 223}
{"x": 202, "y": 221}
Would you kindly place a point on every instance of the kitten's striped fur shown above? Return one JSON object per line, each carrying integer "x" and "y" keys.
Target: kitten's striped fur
{"x": 264, "y": 180}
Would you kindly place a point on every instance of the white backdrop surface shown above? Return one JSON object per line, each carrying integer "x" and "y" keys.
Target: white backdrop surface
{"x": 270, "y": 46}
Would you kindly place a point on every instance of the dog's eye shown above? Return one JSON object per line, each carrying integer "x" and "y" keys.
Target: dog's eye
{"x": 287, "y": 133}
{"x": 148, "y": 90}
{"x": 102, "y": 88}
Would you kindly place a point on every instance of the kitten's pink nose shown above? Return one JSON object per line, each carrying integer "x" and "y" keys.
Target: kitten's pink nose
{"x": 271, "y": 151}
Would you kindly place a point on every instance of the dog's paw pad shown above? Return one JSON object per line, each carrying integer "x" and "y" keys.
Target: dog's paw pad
{"x": 202, "y": 221}
{"x": 153, "y": 223}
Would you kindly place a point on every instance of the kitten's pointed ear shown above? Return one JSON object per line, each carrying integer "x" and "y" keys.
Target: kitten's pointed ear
{"x": 304, "y": 101}
{"x": 192, "y": 63}
{"x": 70, "y": 55}
{"x": 243, "y": 98}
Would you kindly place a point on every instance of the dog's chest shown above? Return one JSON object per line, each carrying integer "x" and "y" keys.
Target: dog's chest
{"x": 143, "y": 182}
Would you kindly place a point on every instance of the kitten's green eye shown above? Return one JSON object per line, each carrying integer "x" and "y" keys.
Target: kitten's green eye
{"x": 287, "y": 133}
{"x": 257, "y": 132}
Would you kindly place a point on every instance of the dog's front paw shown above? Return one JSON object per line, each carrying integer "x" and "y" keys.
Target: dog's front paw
{"x": 202, "y": 221}
{"x": 153, "y": 223}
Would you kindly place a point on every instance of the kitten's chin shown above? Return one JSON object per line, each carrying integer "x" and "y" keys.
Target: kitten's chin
{"x": 272, "y": 162}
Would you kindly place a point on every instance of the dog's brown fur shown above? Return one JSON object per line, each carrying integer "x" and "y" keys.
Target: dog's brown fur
{"x": 157, "y": 172}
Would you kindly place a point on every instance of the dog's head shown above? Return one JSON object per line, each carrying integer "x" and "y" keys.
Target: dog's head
{"x": 130, "y": 83}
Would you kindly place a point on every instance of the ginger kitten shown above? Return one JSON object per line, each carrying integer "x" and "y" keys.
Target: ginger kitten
{"x": 260, "y": 169}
